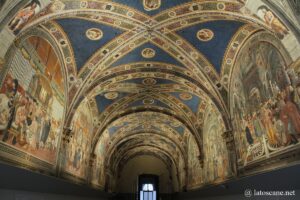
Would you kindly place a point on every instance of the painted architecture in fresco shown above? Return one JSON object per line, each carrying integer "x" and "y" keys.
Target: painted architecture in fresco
{"x": 86, "y": 86}
{"x": 32, "y": 101}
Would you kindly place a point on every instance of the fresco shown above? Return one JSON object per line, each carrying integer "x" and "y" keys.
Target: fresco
{"x": 32, "y": 102}
{"x": 100, "y": 152}
{"x": 24, "y": 15}
{"x": 79, "y": 148}
{"x": 264, "y": 103}
{"x": 195, "y": 173}
{"x": 216, "y": 162}
{"x": 216, "y": 166}
{"x": 272, "y": 21}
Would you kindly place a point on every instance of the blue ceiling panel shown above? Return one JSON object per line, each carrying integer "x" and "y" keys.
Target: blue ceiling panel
{"x": 83, "y": 47}
{"x": 103, "y": 102}
{"x": 214, "y": 49}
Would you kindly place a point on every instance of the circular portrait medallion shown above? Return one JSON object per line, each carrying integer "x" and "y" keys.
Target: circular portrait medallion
{"x": 111, "y": 95}
{"x": 94, "y": 34}
{"x": 185, "y": 96}
{"x": 148, "y": 53}
{"x": 205, "y": 35}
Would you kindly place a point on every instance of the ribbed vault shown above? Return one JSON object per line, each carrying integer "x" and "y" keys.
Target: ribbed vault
{"x": 140, "y": 80}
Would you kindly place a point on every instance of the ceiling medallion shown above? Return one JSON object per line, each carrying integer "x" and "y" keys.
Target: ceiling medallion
{"x": 84, "y": 4}
{"x": 111, "y": 95}
{"x": 185, "y": 96}
{"x": 150, "y": 5}
{"x": 221, "y": 6}
{"x": 148, "y": 101}
{"x": 149, "y": 81}
{"x": 94, "y": 34}
{"x": 148, "y": 53}
{"x": 205, "y": 35}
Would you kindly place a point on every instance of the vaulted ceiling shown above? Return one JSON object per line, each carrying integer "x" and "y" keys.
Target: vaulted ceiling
{"x": 148, "y": 72}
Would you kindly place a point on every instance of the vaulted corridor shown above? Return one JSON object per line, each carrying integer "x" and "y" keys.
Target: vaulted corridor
{"x": 105, "y": 94}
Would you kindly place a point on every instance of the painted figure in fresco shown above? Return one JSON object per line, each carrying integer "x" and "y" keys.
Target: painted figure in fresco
{"x": 272, "y": 21}
{"x": 268, "y": 123}
{"x": 24, "y": 15}
{"x": 46, "y": 131}
{"x": 279, "y": 127}
{"x": 20, "y": 120}
{"x": 248, "y": 131}
{"x": 77, "y": 159}
{"x": 11, "y": 91}
{"x": 32, "y": 130}
{"x": 291, "y": 119}
{"x": 258, "y": 126}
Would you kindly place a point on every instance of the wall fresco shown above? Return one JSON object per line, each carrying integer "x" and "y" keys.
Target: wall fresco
{"x": 99, "y": 175}
{"x": 216, "y": 162}
{"x": 24, "y": 15}
{"x": 216, "y": 166}
{"x": 32, "y": 101}
{"x": 264, "y": 103}
{"x": 79, "y": 147}
{"x": 195, "y": 173}
{"x": 265, "y": 14}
